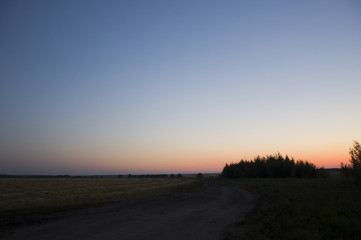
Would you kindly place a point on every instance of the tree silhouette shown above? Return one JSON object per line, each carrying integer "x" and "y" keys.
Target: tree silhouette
{"x": 275, "y": 165}
{"x": 355, "y": 168}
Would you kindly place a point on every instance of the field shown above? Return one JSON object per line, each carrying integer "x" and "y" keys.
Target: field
{"x": 46, "y": 195}
{"x": 283, "y": 208}
{"x": 195, "y": 209}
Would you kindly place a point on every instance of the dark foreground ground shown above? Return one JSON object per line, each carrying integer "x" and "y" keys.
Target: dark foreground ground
{"x": 209, "y": 214}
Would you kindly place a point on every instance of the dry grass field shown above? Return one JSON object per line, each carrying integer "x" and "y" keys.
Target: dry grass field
{"x": 42, "y": 195}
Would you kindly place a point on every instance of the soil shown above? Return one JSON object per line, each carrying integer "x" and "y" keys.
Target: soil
{"x": 209, "y": 214}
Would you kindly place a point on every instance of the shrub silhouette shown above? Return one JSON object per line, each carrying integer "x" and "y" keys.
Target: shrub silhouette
{"x": 271, "y": 166}
{"x": 354, "y": 169}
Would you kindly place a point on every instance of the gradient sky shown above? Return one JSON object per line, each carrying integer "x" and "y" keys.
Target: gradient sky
{"x": 102, "y": 87}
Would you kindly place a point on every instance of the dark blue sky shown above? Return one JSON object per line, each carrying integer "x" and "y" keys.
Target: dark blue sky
{"x": 111, "y": 86}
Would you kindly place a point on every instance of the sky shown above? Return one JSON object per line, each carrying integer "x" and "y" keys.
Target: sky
{"x": 118, "y": 87}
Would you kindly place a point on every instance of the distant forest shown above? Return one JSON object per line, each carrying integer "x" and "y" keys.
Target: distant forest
{"x": 153, "y": 176}
{"x": 95, "y": 176}
{"x": 272, "y": 166}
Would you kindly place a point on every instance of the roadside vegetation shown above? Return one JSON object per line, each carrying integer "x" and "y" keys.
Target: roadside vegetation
{"x": 295, "y": 208}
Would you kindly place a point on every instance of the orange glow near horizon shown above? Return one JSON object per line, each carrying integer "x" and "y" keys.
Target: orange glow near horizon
{"x": 180, "y": 159}
{"x": 188, "y": 163}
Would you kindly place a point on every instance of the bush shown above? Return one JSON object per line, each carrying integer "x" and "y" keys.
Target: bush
{"x": 273, "y": 166}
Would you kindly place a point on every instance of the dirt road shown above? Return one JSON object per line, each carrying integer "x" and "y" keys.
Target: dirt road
{"x": 201, "y": 215}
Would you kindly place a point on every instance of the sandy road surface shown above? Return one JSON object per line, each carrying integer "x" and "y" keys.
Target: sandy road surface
{"x": 202, "y": 215}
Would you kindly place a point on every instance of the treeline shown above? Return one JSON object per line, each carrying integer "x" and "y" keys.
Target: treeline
{"x": 154, "y": 176}
{"x": 45, "y": 176}
{"x": 94, "y": 176}
{"x": 272, "y": 166}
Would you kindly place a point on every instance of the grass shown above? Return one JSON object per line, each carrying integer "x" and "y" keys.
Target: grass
{"x": 20, "y": 196}
{"x": 303, "y": 209}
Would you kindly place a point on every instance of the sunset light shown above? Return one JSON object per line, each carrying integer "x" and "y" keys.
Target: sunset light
{"x": 176, "y": 86}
